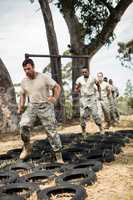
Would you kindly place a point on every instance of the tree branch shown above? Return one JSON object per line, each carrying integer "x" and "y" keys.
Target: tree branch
{"x": 108, "y": 27}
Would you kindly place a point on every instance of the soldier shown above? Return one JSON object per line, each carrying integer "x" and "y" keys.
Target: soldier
{"x": 105, "y": 93}
{"x": 115, "y": 94}
{"x": 85, "y": 85}
{"x": 37, "y": 87}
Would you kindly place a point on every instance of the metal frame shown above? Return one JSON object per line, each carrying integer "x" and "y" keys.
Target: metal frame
{"x": 54, "y": 56}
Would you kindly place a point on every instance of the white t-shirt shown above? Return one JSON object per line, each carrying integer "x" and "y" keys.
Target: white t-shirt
{"x": 37, "y": 89}
{"x": 87, "y": 85}
{"x": 104, "y": 88}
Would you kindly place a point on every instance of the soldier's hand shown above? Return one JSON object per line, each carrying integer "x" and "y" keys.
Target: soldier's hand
{"x": 20, "y": 110}
{"x": 52, "y": 99}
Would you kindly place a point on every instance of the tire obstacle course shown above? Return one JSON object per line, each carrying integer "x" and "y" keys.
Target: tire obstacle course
{"x": 83, "y": 159}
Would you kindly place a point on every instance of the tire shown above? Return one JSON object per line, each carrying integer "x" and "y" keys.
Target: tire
{"x": 88, "y": 175}
{"x": 14, "y": 153}
{"x": 7, "y": 177}
{"x": 108, "y": 155}
{"x": 5, "y": 157}
{"x": 68, "y": 138}
{"x": 4, "y": 196}
{"x": 21, "y": 165}
{"x": 37, "y": 176}
{"x": 80, "y": 193}
{"x": 68, "y": 156}
{"x": 94, "y": 164}
{"x": 17, "y": 187}
{"x": 51, "y": 167}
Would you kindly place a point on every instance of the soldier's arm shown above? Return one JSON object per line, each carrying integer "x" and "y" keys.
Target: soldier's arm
{"x": 108, "y": 91}
{"x": 117, "y": 92}
{"x": 77, "y": 87}
{"x": 21, "y": 103}
{"x": 56, "y": 93}
{"x": 98, "y": 88}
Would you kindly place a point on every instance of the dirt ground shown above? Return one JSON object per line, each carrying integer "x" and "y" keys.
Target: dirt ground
{"x": 114, "y": 181}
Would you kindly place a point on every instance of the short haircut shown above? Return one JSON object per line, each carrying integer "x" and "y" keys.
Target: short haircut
{"x": 100, "y": 73}
{"x": 28, "y": 61}
{"x": 84, "y": 67}
{"x": 110, "y": 81}
{"x": 105, "y": 79}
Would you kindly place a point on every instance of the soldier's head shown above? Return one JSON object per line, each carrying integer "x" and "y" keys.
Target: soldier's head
{"x": 29, "y": 68}
{"x": 105, "y": 79}
{"x": 100, "y": 76}
{"x": 85, "y": 71}
{"x": 110, "y": 81}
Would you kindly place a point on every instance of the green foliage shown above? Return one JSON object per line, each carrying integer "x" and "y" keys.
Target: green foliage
{"x": 125, "y": 54}
{"x": 129, "y": 89}
{"x": 92, "y": 15}
{"x": 130, "y": 102}
{"x": 125, "y": 103}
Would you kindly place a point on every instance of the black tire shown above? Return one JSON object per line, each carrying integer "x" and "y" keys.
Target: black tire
{"x": 21, "y": 165}
{"x": 5, "y": 157}
{"x": 88, "y": 177}
{"x": 68, "y": 156}
{"x": 18, "y": 187}
{"x": 108, "y": 155}
{"x": 7, "y": 177}
{"x": 50, "y": 167}
{"x": 4, "y": 196}
{"x": 79, "y": 192}
{"x": 37, "y": 176}
{"x": 68, "y": 138}
{"x": 94, "y": 164}
{"x": 14, "y": 153}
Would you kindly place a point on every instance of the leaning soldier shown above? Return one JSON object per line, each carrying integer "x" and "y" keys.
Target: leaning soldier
{"x": 37, "y": 87}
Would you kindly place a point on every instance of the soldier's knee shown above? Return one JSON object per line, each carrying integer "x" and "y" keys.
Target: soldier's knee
{"x": 25, "y": 133}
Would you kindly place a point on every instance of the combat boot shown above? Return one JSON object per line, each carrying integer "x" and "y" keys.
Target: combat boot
{"x": 84, "y": 133}
{"x": 58, "y": 156}
{"x": 26, "y": 152}
{"x": 83, "y": 129}
{"x": 101, "y": 129}
{"x": 107, "y": 125}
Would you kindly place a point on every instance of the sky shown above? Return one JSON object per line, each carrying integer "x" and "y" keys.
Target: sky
{"x": 23, "y": 31}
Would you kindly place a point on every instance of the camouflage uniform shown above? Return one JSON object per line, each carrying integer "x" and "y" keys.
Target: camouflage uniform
{"x": 38, "y": 90}
{"x": 115, "y": 94}
{"x": 104, "y": 101}
{"x": 45, "y": 112}
{"x": 88, "y": 101}
{"x": 112, "y": 107}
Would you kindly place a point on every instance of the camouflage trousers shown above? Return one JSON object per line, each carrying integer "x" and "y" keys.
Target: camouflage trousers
{"x": 45, "y": 112}
{"x": 105, "y": 105}
{"x": 88, "y": 107}
{"x": 112, "y": 110}
{"x": 116, "y": 112}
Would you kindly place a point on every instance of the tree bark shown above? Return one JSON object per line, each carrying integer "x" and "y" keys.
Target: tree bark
{"x": 8, "y": 105}
{"x": 77, "y": 48}
{"x": 53, "y": 49}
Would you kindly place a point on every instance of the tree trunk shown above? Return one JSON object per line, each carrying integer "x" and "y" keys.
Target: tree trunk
{"x": 77, "y": 47}
{"x": 8, "y": 106}
{"x": 55, "y": 62}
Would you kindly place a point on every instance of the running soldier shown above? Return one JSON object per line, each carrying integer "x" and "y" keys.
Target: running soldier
{"x": 115, "y": 94}
{"x": 105, "y": 93}
{"x": 37, "y": 87}
{"x": 85, "y": 85}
